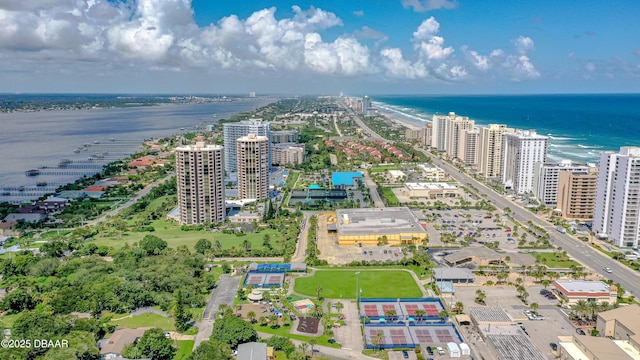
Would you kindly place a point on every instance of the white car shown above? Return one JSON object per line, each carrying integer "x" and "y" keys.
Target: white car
{"x": 608, "y": 270}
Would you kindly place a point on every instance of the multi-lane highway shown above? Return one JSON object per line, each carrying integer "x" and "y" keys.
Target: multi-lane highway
{"x": 579, "y": 250}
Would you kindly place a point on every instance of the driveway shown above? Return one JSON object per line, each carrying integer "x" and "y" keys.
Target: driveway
{"x": 224, "y": 293}
{"x": 349, "y": 335}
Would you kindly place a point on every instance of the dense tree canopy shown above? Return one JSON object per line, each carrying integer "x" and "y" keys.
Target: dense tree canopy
{"x": 212, "y": 349}
{"x": 232, "y": 330}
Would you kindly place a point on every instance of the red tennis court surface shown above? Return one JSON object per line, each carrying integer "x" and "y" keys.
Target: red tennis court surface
{"x": 375, "y": 310}
{"x": 392, "y": 336}
{"x": 264, "y": 280}
{"x": 434, "y": 334}
{"x": 431, "y": 309}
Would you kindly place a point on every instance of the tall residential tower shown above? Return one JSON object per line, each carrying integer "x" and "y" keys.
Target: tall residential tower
{"x": 200, "y": 178}
{"x": 253, "y": 167}
{"x": 233, "y": 131}
{"x": 521, "y": 151}
{"x": 617, "y": 209}
{"x": 490, "y": 150}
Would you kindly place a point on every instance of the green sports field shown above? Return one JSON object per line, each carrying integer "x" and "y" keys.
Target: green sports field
{"x": 338, "y": 284}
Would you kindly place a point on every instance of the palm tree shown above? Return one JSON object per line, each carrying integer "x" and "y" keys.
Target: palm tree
{"x": 545, "y": 283}
{"x": 318, "y": 291}
{"x": 443, "y": 314}
{"x": 313, "y": 341}
{"x": 339, "y": 307}
{"x": 524, "y": 296}
{"x": 273, "y": 321}
{"x": 252, "y": 316}
{"x": 380, "y": 337}
{"x": 580, "y": 308}
{"x": 534, "y": 306}
{"x": 391, "y": 313}
{"x": 420, "y": 314}
{"x": 459, "y": 306}
{"x": 303, "y": 348}
{"x": 263, "y": 321}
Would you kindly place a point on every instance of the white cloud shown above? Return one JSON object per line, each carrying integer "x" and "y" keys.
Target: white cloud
{"x": 103, "y": 37}
{"x": 591, "y": 67}
{"x": 426, "y": 5}
{"x": 427, "y": 29}
{"x": 524, "y": 44}
{"x": 358, "y": 13}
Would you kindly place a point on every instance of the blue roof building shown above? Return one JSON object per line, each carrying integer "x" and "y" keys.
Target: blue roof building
{"x": 342, "y": 180}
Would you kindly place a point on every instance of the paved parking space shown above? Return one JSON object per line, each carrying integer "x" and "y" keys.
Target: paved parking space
{"x": 224, "y": 293}
{"x": 349, "y": 335}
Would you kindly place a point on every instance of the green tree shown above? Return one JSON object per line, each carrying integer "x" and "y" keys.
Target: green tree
{"x": 180, "y": 314}
{"x": 202, "y": 246}
{"x": 152, "y": 244}
{"x": 252, "y": 316}
{"x": 212, "y": 349}
{"x": 153, "y": 344}
{"x": 232, "y": 330}
{"x": 339, "y": 306}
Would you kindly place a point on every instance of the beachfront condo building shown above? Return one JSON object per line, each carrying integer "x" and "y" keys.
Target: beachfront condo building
{"x": 253, "y": 167}
{"x": 521, "y": 151}
{"x": 617, "y": 208}
{"x": 547, "y": 178}
{"x": 577, "y": 194}
{"x": 468, "y": 147}
{"x": 367, "y": 107}
{"x": 428, "y": 134}
{"x": 490, "y": 150}
{"x": 233, "y": 131}
{"x": 446, "y": 132}
{"x": 200, "y": 178}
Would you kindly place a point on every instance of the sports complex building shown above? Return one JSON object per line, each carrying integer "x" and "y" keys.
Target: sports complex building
{"x": 369, "y": 226}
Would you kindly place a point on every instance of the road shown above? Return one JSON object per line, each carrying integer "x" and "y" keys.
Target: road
{"x": 579, "y": 250}
{"x": 129, "y": 203}
{"x": 224, "y": 293}
{"x": 355, "y": 117}
{"x": 301, "y": 247}
{"x": 373, "y": 191}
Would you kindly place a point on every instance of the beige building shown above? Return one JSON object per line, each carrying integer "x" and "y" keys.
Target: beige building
{"x": 396, "y": 175}
{"x": 200, "y": 179}
{"x": 287, "y": 154}
{"x": 414, "y": 134}
{"x": 583, "y": 347}
{"x": 431, "y": 190}
{"x": 490, "y": 149}
{"x": 253, "y": 167}
{"x": 468, "y": 147}
{"x": 622, "y": 323}
{"x": 454, "y": 128}
{"x": 577, "y": 194}
{"x": 428, "y": 134}
{"x": 371, "y": 226}
{"x": 432, "y": 173}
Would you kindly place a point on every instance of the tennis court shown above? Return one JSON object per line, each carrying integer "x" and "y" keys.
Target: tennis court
{"x": 434, "y": 334}
{"x": 431, "y": 308}
{"x": 379, "y": 310}
{"x": 388, "y": 337}
{"x": 266, "y": 280}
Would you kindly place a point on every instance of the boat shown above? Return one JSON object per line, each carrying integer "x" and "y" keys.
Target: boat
{"x": 21, "y": 188}
{"x": 64, "y": 162}
{"x": 6, "y": 193}
{"x": 112, "y": 139}
{"x": 41, "y": 183}
{"x": 32, "y": 172}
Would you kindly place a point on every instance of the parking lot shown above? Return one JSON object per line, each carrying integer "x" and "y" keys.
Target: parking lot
{"x": 542, "y": 332}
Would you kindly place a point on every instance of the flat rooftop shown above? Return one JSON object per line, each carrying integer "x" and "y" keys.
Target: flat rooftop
{"x": 515, "y": 347}
{"x": 430, "y": 186}
{"x": 582, "y": 286}
{"x": 377, "y": 221}
{"x": 489, "y": 314}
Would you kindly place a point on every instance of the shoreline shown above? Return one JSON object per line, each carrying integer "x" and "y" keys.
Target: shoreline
{"x": 397, "y": 119}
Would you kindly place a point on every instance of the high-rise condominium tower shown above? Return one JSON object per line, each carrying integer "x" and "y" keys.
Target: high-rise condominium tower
{"x": 200, "y": 177}
{"x": 521, "y": 151}
{"x": 490, "y": 149}
{"x": 253, "y": 168}
{"x": 233, "y": 131}
{"x": 617, "y": 209}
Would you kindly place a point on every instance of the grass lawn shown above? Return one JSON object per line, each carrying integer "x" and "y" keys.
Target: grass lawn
{"x": 170, "y": 232}
{"x": 144, "y": 320}
{"x": 383, "y": 168}
{"x": 8, "y": 320}
{"x": 389, "y": 196}
{"x": 554, "y": 260}
{"x": 54, "y": 234}
{"x": 184, "y": 349}
{"x": 338, "y": 284}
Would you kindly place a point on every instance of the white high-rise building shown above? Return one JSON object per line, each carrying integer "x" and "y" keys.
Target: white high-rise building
{"x": 233, "y": 131}
{"x": 366, "y": 105}
{"x": 253, "y": 167}
{"x": 200, "y": 178}
{"x": 547, "y": 178}
{"x": 490, "y": 150}
{"x": 446, "y": 132}
{"x": 522, "y": 150}
{"x": 617, "y": 209}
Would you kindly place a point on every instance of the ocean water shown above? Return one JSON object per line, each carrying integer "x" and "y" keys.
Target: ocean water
{"x": 579, "y": 126}
{"x": 39, "y": 140}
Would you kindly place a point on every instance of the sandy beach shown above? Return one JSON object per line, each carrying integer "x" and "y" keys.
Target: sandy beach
{"x": 398, "y": 120}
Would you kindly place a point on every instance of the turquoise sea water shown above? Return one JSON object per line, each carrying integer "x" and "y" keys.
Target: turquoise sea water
{"x": 579, "y": 126}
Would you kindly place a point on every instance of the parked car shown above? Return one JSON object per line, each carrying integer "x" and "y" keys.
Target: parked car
{"x": 429, "y": 350}
{"x": 580, "y": 331}
{"x": 405, "y": 354}
{"x": 554, "y": 346}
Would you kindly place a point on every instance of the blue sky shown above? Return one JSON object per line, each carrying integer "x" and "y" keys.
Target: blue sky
{"x": 320, "y": 47}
